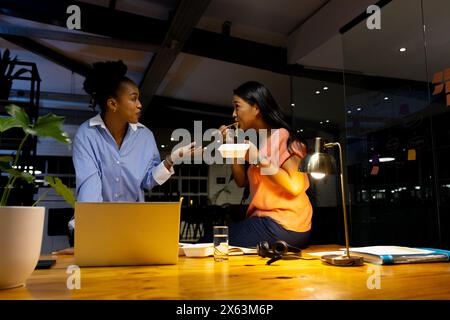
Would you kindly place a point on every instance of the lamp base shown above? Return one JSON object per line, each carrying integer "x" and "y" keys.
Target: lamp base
{"x": 342, "y": 261}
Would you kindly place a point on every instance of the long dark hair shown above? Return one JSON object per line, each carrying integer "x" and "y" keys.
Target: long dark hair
{"x": 103, "y": 81}
{"x": 254, "y": 92}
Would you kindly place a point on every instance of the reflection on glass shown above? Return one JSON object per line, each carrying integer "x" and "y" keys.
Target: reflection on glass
{"x": 391, "y": 125}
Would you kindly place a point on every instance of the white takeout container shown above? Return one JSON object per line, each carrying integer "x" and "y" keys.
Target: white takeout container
{"x": 199, "y": 250}
{"x": 234, "y": 150}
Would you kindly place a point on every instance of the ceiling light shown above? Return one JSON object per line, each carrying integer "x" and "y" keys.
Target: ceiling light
{"x": 321, "y": 122}
{"x": 349, "y": 111}
{"x": 402, "y": 49}
{"x": 325, "y": 88}
{"x": 317, "y": 92}
{"x": 328, "y": 121}
{"x": 385, "y": 159}
{"x": 292, "y": 104}
{"x": 359, "y": 109}
{"x": 163, "y": 146}
{"x": 172, "y": 139}
{"x": 386, "y": 98}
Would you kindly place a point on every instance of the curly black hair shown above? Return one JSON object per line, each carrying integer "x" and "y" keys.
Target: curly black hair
{"x": 103, "y": 81}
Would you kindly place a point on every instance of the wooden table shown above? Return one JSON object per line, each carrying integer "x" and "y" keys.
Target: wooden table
{"x": 241, "y": 278}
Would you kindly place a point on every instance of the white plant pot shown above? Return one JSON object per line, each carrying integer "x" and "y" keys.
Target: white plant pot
{"x": 20, "y": 243}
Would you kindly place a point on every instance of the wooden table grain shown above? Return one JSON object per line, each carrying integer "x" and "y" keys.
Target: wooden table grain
{"x": 240, "y": 278}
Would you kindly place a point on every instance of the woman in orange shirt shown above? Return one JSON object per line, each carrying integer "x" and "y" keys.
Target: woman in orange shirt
{"x": 279, "y": 207}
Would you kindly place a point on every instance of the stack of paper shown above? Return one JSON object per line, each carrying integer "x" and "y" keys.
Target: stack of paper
{"x": 207, "y": 249}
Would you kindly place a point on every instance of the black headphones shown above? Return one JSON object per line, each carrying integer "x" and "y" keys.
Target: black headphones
{"x": 278, "y": 251}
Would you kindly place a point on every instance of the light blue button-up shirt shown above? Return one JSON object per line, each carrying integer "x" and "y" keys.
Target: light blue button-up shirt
{"x": 106, "y": 173}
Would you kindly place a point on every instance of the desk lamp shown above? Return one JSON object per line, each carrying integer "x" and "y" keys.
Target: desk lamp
{"x": 318, "y": 165}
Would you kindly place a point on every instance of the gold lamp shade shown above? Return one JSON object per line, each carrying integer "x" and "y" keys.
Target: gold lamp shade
{"x": 320, "y": 163}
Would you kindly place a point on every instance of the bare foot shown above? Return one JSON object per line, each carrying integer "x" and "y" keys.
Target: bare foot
{"x": 67, "y": 251}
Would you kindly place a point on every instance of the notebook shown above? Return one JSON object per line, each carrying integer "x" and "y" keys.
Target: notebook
{"x": 397, "y": 255}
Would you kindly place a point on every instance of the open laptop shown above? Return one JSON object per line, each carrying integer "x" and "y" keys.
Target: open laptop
{"x": 125, "y": 233}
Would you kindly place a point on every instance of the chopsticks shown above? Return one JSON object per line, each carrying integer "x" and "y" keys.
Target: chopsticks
{"x": 235, "y": 125}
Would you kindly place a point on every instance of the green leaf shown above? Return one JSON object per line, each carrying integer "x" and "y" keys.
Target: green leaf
{"x": 19, "y": 115}
{"x": 4, "y": 166}
{"x": 28, "y": 177}
{"x": 61, "y": 189}
{"x": 11, "y": 67}
{"x": 20, "y": 72}
{"x": 6, "y": 159}
{"x": 4, "y": 61}
{"x": 8, "y": 123}
{"x": 50, "y": 125}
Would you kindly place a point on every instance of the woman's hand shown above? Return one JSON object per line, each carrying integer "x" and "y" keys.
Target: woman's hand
{"x": 177, "y": 155}
{"x": 227, "y": 134}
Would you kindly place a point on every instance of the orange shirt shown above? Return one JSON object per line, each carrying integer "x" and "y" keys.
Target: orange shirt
{"x": 270, "y": 199}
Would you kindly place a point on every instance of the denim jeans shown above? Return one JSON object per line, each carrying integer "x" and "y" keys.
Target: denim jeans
{"x": 249, "y": 232}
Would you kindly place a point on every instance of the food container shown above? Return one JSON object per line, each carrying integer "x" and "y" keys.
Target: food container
{"x": 233, "y": 150}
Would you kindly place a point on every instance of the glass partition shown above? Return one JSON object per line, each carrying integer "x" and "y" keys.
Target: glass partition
{"x": 391, "y": 128}
{"x": 318, "y": 111}
{"x": 436, "y": 17}
{"x": 390, "y": 109}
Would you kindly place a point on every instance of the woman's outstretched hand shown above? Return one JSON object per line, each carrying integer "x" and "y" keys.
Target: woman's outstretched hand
{"x": 177, "y": 155}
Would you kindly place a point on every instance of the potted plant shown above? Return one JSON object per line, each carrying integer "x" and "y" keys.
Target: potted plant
{"x": 21, "y": 227}
{"x": 6, "y": 73}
